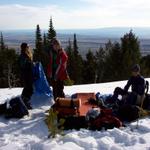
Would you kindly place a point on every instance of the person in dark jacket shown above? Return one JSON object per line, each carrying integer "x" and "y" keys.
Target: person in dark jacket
{"x": 137, "y": 83}
{"x": 56, "y": 70}
{"x": 26, "y": 66}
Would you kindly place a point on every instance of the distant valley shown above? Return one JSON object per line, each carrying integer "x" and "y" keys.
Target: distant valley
{"x": 87, "y": 38}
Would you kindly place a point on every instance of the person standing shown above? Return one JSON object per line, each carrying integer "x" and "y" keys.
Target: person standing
{"x": 56, "y": 70}
{"x": 26, "y": 70}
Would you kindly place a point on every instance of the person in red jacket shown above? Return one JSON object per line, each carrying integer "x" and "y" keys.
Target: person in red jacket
{"x": 56, "y": 70}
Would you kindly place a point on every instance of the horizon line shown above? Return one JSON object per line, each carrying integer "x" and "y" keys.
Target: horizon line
{"x": 78, "y": 28}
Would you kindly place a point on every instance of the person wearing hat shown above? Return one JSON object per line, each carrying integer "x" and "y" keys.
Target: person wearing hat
{"x": 137, "y": 84}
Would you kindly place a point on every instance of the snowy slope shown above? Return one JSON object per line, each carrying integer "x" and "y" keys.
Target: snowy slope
{"x": 30, "y": 132}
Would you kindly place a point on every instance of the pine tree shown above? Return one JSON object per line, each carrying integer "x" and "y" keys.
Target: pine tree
{"x": 38, "y": 45}
{"x": 51, "y": 32}
{"x": 44, "y": 39}
{"x": 90, "y": 74}
{"x": 40, "y": 54}
{"x": 113, "y": 65}
{"x": 45, "y": 45}
{"x": 70, "y": 54}
{"x": 9, "y": 74}
{"x": 38, "y": 42}
{"x": 145, "y": 66}
{"x": 75, "y": 47}
{"x": 131, "y": 52}
{"x": 100, "y": 64}
{"x": 55, "y": 125}
{"x": 2, "y": 45}
{"x": 77, "y": 63}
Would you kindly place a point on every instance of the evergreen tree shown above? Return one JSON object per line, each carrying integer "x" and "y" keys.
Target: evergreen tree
{"x": 77, "y": 63}
{"x": 108, "y": 47}
{"x": 45, "y": 43}
{"x": 89, "y": 74}
{"x": 50, "y": 35}
{"x": 2, "y": 45}
{"x": 51, "y": 32}
{"x": 38, "y": 42}
{"x": 100, "y": 64}
{"x": 38, "y": 45}
{"x": 40, "y": 54}
{"x": 130, "y": 51}
{"x": 9, "y": 76}
{"x": 75, "y": 47}
{"x": 113, "y": 65}
{"x": 145, "y": 66}
{"x": 70, "y": 54}
{"x": 44, "y": 39}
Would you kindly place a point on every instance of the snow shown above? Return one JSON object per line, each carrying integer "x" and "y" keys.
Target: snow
{"x": 31, "y": 133}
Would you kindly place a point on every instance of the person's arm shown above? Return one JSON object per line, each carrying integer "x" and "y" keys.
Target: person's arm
{"x": 62, "y": 65}
{"x": 126, "y": 88}
{"x": 141, "y": 87}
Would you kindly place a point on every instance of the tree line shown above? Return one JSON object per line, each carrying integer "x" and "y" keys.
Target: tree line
{"x": 109, "y": 63}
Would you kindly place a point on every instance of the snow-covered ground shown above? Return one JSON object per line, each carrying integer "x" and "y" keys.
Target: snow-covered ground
{"x": 30, "y": 132}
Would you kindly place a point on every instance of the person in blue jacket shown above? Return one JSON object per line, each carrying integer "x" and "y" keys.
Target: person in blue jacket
{"x": 137, "y": 84}
{"x": 26, "y": 71}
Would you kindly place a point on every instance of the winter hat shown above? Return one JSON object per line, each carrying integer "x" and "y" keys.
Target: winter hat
{"x": 136, "y": 68}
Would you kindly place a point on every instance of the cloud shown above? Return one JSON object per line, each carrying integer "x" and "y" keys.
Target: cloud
{"x": 95, "y": 15}
{"x": 126, "y": 7}
{"x": 27, "y": 17}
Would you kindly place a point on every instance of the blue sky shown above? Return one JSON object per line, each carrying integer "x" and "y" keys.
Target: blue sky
{"x": 74, "y": 14}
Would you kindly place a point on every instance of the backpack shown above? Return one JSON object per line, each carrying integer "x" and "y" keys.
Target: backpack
{"x": 146, "y": 103}
{"x": 67, "y": 106}
{"x": 105, "y": 120}
{"x": 2, "y": 108}
{"x": 75, "y": 122}
{"x": 16, "y": 108}
{"x": 128, "y": 112}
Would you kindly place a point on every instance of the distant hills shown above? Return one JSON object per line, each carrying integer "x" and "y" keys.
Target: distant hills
{"x": 113, "y": 32}
{"x": 87, "y": 38}
{"x": 109, "y": 32}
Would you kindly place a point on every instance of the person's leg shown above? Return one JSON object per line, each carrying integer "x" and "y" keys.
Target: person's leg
{"x": 60, "y": 89}
{"x": 118, "y": 91}
{"x": 26, "y": 94}
{"x": 131, "y": 99}
{"x": 54, "y": 87}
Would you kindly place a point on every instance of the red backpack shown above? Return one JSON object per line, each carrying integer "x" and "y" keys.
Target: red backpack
{"x": 105, "y": 120}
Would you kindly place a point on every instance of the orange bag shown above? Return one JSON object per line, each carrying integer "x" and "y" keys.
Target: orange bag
{"x": 68, "y": 102}
{"x": 67, "y": 106}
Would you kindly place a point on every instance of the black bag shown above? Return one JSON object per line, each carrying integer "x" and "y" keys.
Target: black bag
{"x": 75, "y": 122}
{"x": 16, "y": 108}
{"x": 2, "y": 108}
{"x": 146, "y": 103}
{"x": 128, "y": 112}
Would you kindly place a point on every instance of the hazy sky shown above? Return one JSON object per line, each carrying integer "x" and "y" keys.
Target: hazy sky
{"x": 71, "y": 14}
